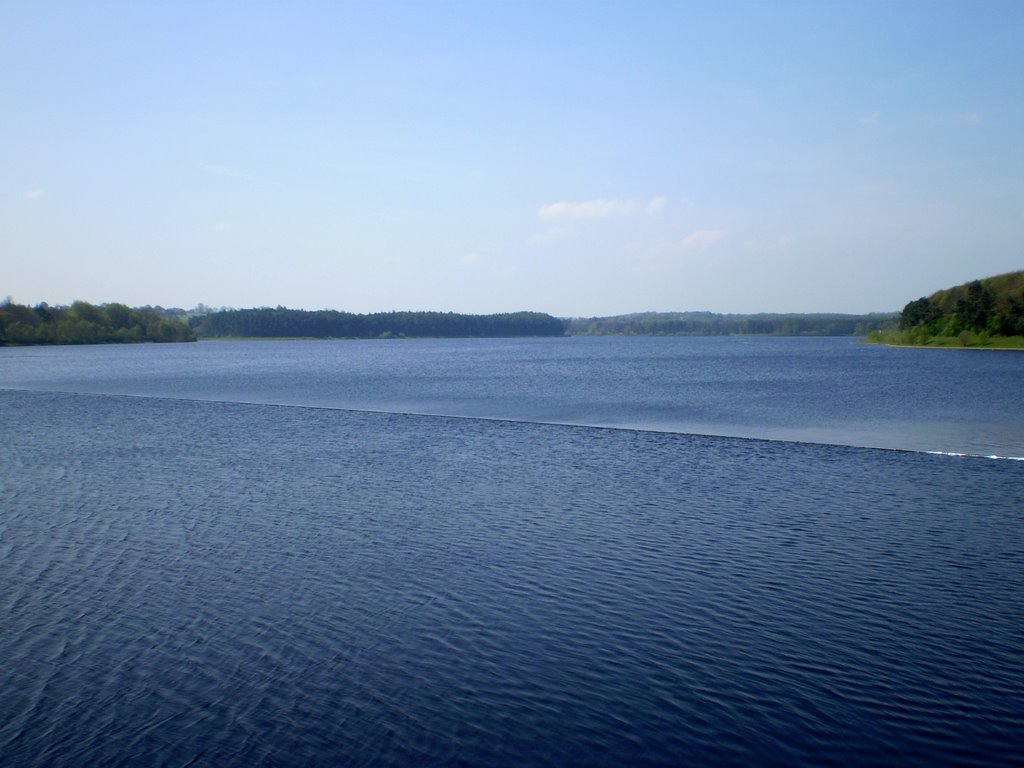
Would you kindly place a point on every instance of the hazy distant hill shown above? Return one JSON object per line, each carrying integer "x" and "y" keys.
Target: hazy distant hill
{"x": 712, "y": 324}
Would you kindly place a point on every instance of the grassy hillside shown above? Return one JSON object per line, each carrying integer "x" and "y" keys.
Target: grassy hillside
{"x": 1005, "y": 289}
{"x": 981, "y": 313}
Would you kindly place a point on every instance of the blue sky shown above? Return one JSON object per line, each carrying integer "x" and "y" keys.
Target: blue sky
{"x": 578, "y": 158}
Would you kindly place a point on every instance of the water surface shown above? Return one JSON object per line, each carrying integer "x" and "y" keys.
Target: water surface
{"x": 186, "y": 580}
{"x": 828, "y": 390}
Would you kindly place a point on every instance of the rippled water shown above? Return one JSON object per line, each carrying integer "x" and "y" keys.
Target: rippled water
{"x": 215, "y": 583}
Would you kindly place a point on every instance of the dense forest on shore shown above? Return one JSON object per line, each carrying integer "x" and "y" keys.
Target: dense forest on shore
{"x": 85, "y": 323}
{"x": 711, "y": 324}
{"x": 981, "y": 313}
{"x": 326, "y": 323}
{"x": 282, "y": 322}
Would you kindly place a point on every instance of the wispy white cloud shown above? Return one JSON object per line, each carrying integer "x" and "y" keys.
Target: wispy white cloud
{"x": 470, "y": 259}
{"x": 972, "y": 118}
{"x": 585, "y": 209}
{"x": 221, "y": 170}
{"x": 599, "y": 208}
{"x": 701, "y": 239}
{"x": 34, "y": 194}
{"x": 769, "y": 244}
{"x": 550, "y": 234}
{"x": 873, "y": 119}
{"x": 223, "y": 226}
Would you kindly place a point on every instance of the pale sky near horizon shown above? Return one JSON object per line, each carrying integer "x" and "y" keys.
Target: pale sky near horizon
{"x": 577, "y": 158}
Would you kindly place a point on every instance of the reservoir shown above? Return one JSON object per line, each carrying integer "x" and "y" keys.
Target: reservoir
{"x": 581, "y": 551}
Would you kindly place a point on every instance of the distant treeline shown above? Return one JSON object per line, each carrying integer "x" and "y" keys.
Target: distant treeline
{"x": 328, "y": 323}
{"x": 711, "y": 324}
{"x": 85, "y": 323}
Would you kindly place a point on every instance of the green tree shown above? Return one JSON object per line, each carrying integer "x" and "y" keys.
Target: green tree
{"x": 976, "y": 310}
{"x": 919, "y": 312}
{"x": 90, "y": 313}
{"x": 118, "y": 316}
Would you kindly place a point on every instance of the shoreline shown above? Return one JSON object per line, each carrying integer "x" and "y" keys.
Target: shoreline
{"x": 944, "y": 346}
{"x": 906, "y": 339}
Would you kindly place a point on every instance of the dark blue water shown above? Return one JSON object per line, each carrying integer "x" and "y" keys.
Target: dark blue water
{"x": 827, "y": 390}
{"x": 191, "y": 582}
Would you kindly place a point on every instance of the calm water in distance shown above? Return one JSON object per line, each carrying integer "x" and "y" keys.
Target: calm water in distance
{"x": 191, "y": 574}
{"x": 828, "y": 390}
